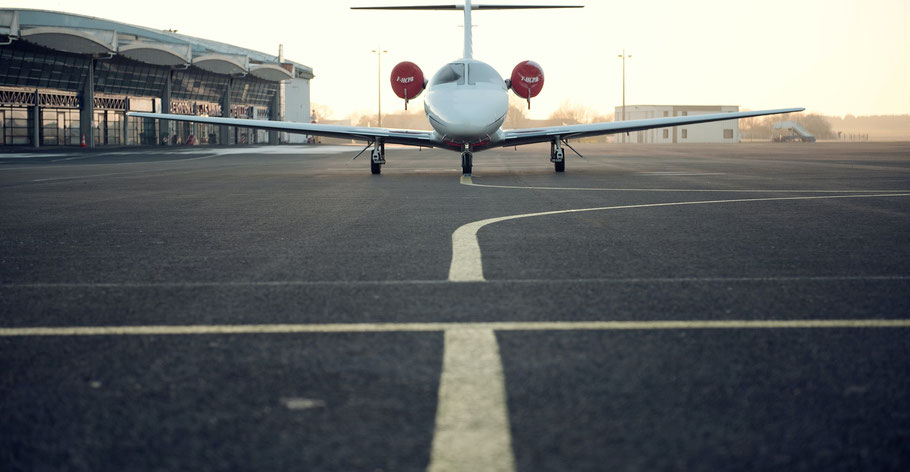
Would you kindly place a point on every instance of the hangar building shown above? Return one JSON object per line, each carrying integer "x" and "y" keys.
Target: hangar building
{"x": 65, "y": 76}
{"x": 715, "y": 132}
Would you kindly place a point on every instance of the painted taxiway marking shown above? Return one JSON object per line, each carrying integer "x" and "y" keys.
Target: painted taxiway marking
{"x": 183, "y": 330}
{"x": 472, "y": 421}
{"x": 681, "y": 173}
{"x": 302, "y": 403}
{"x": 134, "y": 172}
{"x": 467, "y": 180}
{"x": 472, "y": 430}
{"x": 384, "y": 283}
{"x": 467, "y": 264}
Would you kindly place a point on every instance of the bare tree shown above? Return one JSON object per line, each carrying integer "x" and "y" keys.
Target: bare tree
{"x": 517, "y": 114}
{"x": 573, "y": 113}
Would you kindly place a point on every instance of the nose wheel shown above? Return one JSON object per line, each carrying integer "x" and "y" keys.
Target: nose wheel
{"x": 467, "y": 162}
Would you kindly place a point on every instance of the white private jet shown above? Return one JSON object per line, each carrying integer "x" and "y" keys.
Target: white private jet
{"x": 466, "y": 105}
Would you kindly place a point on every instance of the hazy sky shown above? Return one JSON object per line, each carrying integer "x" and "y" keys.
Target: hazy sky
{"x": 831, "y": 56}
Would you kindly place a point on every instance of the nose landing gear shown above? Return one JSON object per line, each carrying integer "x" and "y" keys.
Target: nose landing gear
{"x": 467, "y": 160}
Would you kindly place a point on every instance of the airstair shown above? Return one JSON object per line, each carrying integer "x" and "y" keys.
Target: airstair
{"x": 798, "y": 133}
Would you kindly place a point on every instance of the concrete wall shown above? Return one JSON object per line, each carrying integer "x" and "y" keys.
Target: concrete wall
{"x": 700, "y": 133}
{"x": 296, "y": 106}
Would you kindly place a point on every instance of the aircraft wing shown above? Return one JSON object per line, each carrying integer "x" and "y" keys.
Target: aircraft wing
{"x": 540, "y": 135}
{"x": 393, "y": 136}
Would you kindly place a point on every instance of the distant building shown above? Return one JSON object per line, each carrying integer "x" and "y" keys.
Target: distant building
{"x": 65, "y": 76}
{"x": 715, "y": 132}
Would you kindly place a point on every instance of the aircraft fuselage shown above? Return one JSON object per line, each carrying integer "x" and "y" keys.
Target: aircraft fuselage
{"x": 467, "y": 102}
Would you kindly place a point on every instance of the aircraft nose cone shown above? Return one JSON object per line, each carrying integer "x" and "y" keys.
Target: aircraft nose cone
{"x": 473, "y": 114}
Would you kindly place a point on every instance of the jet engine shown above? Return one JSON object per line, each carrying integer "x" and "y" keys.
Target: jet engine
{"x": 407, "y": 81}
{"x": 527, "y": 80}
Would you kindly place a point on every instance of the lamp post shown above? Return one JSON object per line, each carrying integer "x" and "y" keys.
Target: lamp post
{"x": 624, "y": 56}
{"x": 379, "y": 52}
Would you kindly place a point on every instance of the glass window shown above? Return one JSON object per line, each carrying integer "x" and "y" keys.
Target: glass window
{"x": 16, "y": 125}
{"x": 479, "y": 72}
{"x": 453, "y": 72}
{"x": 728, "y": 134}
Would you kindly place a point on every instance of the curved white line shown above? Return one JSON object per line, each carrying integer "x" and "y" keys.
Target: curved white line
{"x": 468, "y": 181}
{"x": 467, "y": 265}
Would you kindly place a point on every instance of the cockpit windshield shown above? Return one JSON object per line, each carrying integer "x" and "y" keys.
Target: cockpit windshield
{"x": 478, "y": 72}
{"x": 471, "y": 73}
{"x": 453, "y": 72}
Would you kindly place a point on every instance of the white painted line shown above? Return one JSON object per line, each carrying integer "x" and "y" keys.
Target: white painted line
{"x": 182, "y": 330}
{"x": 28, "y": 155}
{"x": 472, "y": 421}
{"x": 683, "y": 173}
{"x": 381, "y": 283}
{"x": 74, "y": 158}
{"x": 467, "y": 265}
{"x": 302, "y": 403}
{"x": 284, "y": 149}
{"x": 163, "y": 169}
{"x": 466, "y": 180}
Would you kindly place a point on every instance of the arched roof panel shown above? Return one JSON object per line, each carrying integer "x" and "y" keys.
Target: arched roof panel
{"x": 223, "y": 63}
{"x": 160, "y": 54}
{"x": 74, "y": 40}
{"x": 272, "y": 72}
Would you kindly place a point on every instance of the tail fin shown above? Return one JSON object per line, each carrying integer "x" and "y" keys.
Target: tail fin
{"x": 467, "y": 7}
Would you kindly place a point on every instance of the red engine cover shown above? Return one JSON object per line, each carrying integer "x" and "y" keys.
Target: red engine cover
{"x": 527, "y": 79}
{"x": 407, "y": 80}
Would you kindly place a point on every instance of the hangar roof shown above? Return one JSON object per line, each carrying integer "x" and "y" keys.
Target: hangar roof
{"x": 79, "y": 34}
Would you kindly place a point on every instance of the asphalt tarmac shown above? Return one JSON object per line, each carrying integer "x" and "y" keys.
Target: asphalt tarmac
{"x": 692, "y": 307}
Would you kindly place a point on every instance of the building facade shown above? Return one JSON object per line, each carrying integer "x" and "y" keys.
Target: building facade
{"x": 714, "y": 132}
{"x": 64, "y": 77}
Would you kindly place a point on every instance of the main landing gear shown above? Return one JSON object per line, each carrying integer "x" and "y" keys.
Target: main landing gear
{"x": 377, "y": 158}
{"x": 557, "y": 156}
{"x": 467, "y": 160}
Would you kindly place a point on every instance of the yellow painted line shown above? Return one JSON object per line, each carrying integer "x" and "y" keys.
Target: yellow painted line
{"x": 472, "y": 420}
{"x": 467, "y": 264}
{"x": 443, "y": 327}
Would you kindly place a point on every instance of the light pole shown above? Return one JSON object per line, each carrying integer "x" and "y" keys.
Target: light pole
{"x": 624, "y": 56}
{"x": 379, "y": 52}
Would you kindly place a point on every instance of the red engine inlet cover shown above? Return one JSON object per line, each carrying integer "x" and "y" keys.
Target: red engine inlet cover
{"x": 407, "y": 80}
{"x": 527, "y": 79}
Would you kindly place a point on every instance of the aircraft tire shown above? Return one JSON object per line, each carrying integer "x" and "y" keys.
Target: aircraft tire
{"x": 467, "y": 163}
{"x": 561, "y": 165}
{"x": 375, "y": 168}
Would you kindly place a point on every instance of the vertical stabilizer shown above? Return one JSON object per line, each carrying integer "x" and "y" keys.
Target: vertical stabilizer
{"x": 468, "y": 41}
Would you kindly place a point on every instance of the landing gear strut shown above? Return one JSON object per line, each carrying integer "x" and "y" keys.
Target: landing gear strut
{"x": 377, "y": 158}
{"x": 467, "y": 160}
{"x": 557, "y": 155}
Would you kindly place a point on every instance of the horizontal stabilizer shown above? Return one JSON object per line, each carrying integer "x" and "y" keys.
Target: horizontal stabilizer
{"x": 473, "y": 7}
